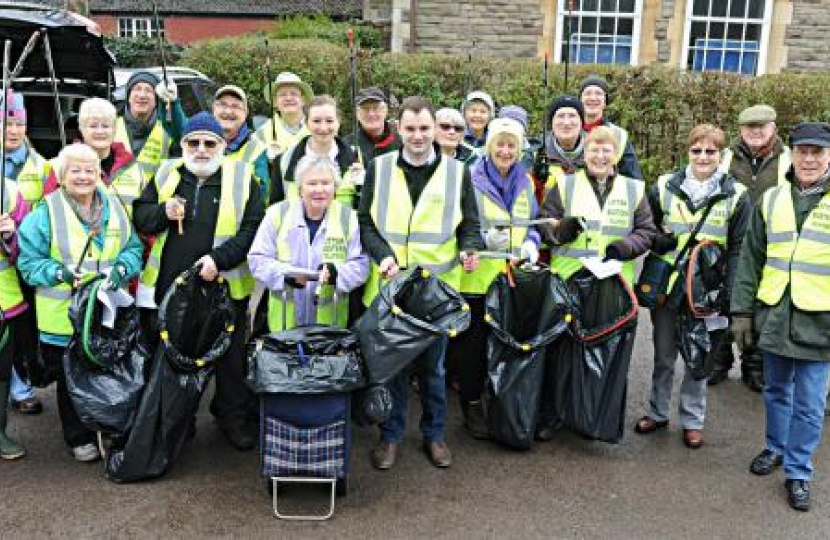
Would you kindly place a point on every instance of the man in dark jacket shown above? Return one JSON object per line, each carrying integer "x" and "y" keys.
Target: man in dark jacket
{"x": 427, "y": 176}
{"x": 759, "y": 160}
{"x": 781, "y": 301}
{"x": 376, "y": 135}
{"x": 188, "y": 203}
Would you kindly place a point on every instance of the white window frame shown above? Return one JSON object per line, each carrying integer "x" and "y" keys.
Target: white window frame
{"x": 763, "y": 45}
{"x": 562, "y": 12}
{"x": 131, "y": 27}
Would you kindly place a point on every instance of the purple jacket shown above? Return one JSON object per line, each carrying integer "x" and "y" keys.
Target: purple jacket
{"x": 485, "y": 175}
{"x": 266, "y": 268}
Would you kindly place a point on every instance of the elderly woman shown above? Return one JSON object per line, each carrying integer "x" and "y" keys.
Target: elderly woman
{"x": 503, "y": 192}
{"x": 120, "y": 171}
{"x": 324, "y": 124}
{"x": 600, "y": 214}
{"x": 564, "y": 144}
{"x": 449, "y": 134}
{"x": 679, "y": 201}
{"x": 288, "y": 95}
{"x": 306, "y": 239}
{"x": 79, "y": 231}
{"x": 478, "y": 109}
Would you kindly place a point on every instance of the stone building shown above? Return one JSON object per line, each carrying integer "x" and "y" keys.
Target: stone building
{"x": 744, "y": 36}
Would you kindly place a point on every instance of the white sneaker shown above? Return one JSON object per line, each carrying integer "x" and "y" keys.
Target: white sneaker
{"x": 86, "y": 452}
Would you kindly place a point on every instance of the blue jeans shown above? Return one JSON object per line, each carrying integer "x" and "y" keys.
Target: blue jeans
{"x": 20, "y": 389}
{"x": 795, "y": 392}
{"x": 430, "y": 367}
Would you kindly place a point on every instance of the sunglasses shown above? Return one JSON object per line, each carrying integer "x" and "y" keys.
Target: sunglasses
{"x": 210, "y": 144}
{"x": 450, "y": 127}
{"x": 707, "y": 151}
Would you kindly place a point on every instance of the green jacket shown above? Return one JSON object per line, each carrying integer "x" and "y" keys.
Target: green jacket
{"x": 757, "y": 174}
{"x": 783, "y": 329}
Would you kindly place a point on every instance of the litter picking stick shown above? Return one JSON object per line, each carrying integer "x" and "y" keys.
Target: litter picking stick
{"x": 7, "y": 54}
{"x": 568, "y": 43}
{"x": 93, "y": 232}
{"x": 353, "y": 84}
{"x": 58, "y": 112}
{"x": 160, "y": 42}
{"x": 30, "y": 46}
{"x": 545, "y": 121}
{"x": 270, "y": 83}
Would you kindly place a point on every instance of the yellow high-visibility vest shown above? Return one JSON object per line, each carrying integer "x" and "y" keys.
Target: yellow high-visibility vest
{"x": 155, "y": 150}
{"x": 10, "y": 293}
{"x": 32, "y": 177}
{"x": 285, "y": 139}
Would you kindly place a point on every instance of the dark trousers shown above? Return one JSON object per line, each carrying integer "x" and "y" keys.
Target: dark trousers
{"x": 7, "y": 353}
{"x": 469, "y": 353}
{"x": 74, "y": 431}
{"x": 752, "y": 359}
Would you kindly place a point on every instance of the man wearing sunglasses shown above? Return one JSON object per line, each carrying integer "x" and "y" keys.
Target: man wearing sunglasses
{"x": 204, "y": 209}
{"x": 758, "y": 159}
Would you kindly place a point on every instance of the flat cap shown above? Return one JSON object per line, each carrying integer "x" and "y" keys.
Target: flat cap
{"x": 757, "y": 114}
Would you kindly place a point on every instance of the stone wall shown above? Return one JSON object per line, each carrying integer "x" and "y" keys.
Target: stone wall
{"x": 808, "y": 37}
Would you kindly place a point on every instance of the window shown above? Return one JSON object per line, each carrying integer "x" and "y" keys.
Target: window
{"x": 727, "y": 35}
{"x": 601, "y": 31}
{"x": 130, "y": 27}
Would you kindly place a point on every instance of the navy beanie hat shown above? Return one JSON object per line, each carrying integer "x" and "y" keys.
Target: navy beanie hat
{"x": 141, "y": 76}
{"x": 203, "y": 122}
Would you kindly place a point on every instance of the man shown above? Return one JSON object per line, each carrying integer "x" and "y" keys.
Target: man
{"x": 219, "y": 205}
{"x": 376, "y": 135}
{"x": 287, "y": 126}
{"x": 400, "y": 186}
{"x": 759, "y": 160}
{"x": 781, "y": 301}
{"x": 144, "y": 128}
{"x": 594, "y": 95}
{"x": 230, "y": 107}
{"x": 565, "y": 118}
{"x": 30, "y": 171}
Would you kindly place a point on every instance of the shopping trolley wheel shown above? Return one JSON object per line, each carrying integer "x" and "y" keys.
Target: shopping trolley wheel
{"x": 342, "y": 486}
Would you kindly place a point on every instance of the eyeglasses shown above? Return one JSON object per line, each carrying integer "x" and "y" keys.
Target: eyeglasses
{"x": 231, "y": 106}
{"x": 707, "y": 151}
{"x": 209, "y": 144}
{"x": 450, "y": 127}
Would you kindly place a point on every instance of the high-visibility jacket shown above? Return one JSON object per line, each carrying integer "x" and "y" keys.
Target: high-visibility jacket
{"x": 32, "y": 176}
{"x": 800, "y": 260}
{"x": 491, "y": 214}
{"x": 339, "y": 227}
{"x": 785, "y": 160}
{"x": 555, "y": 174}
{"x": 622, "y": 140}
{"x": 10, "y": 292}
{"x": 236, "y": 183}
{"x": 248, "y": 152}
{"x": 423, "y": 234}
{"x": 603, "y": 224}
{"x": 66, "y": 246}
{"x": 127, "y": 184}
{"x": 285, "y": 139}
{"x": 681, "y": 221}
{"x": 155, "y": 150}
{"x": 345, "y": 193}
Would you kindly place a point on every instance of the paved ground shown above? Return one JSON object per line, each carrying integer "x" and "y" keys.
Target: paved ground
{"x": 645, "y": 487}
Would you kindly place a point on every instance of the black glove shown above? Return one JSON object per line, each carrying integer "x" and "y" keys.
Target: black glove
{"x": 292, "y": 282}
{"x": 568, "y": 229}
{"x": 332, "y": 272}
{"x": 540, "y": 166}
{"x": 664, "y": 243}
{"x": 613, "y": 252}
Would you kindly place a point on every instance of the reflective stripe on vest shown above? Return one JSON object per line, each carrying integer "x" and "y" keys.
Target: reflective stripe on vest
{"x": 127, "y": 185}
{"x": 784, "y": 163}
{"x": 340, "y": 224}
{"x": 236, "y": 177}
{"x": 345, "y": 192}
{"x": 155, "y": 150}
{"x": 10, "y": 293}
{"x": 32, "y": 176}
{"x": 800, "y": 261}
{"x": 491, "y": 214}
{"x": 67, "y": 244}
{"x": 423, "y": 235}
{"x": 604, "y": 225}
{"x": 248, "y": 152}
{"x": 285, "y": 139}
{"x": 555, "y": 174}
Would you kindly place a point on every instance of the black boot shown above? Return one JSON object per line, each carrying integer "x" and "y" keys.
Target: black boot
{"x": 475, "y": 420}
{"x": 8, "y": 448}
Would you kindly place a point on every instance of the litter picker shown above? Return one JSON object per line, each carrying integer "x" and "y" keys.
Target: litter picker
{"x": 160, "y": 42}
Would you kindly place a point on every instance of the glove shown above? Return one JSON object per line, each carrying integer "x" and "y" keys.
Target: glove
{"x": 332, "y": 273}
{"x": 497, "y": 240}
{"x": 741, "y": 328}
{"x": 529, "y": 252}
{"x": 613, "y": 252}
{"x": 68, "y": 274}
{"x": 116, "y": 279}
{"x": 664, "y": 243}
{"x": 292, "y": 282}
{"x": 167, "y": 93}
{"x": 568, "y": 229}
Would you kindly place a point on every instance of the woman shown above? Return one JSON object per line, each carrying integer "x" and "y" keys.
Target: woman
{"x": 478, "y": 109}
{"x": 14, "y": 209}
{"x": 678, "y": 202}
{"x": 120, "y": 172}
{"x": 565, "y": 143}
{"x": 449, "y": 135}
{"x": 306, "y": 239}
{"x": 287, "y": 95}
{"x": 503, "y": 192}
{"x": 600, "y": 214}
{"x": 323, "y": 123}
{"x": 78, "y": 232}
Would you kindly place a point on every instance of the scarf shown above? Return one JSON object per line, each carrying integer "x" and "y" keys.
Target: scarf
{"x": 92, "y": 217}
{"x": 487, "y": 179}
{"x": 700, "y": 190}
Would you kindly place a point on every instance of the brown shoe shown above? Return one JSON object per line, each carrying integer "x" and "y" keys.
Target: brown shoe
{"x": 439, "y": 454}
{"x": 383, "y": 455}
{"x": 647, "y": 424}
{"x": 27, "y": 406}
{"x": 693, "y": 438}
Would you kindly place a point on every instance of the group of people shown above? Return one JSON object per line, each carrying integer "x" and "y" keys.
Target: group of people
{"x": 291, "y": 214}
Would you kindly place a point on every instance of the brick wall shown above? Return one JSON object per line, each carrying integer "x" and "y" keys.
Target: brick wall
{"x": 806, "y": 38}
{"x": 185, "y": 30}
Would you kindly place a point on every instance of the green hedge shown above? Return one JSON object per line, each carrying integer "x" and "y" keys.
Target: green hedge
{"x": 658, "y": 105}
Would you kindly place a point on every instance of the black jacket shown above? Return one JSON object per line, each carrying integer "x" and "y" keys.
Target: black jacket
{"x": 201, "y": 213}
{"x": 345, "y": 158}
{"x": 389, "y": 141}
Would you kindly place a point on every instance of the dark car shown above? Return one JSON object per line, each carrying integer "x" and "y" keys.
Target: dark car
{"x": 195, "y": 89}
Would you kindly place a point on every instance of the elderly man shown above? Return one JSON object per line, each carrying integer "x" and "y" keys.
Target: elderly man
{"x": 376, "y": 135}
{"x": 781, "y": 298}
{"x": 415, "y": 182}
{"x": 287, "y": 126}
{"x": 210, "y": 195}
{"x": 143, "y": 128}
{"x": 759, "y": 160}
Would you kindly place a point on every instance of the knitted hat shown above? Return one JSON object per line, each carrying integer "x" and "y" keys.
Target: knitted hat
{"x": 503, "y": 126}
{"x": 595, "y": 80}
{"x": 483, "y": 97}
{"x": 234, "y": 91}
{"x": 205, "y": 123}
{"x": 514, "y": 112}
{"x": 17, "y": 109}
{"x": 562, "y": 102}
{"x": 139, "y": 77}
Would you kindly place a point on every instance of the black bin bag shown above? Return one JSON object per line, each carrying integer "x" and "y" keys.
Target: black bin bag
{"x": 192, "y": 339}
{"x": 410, "y": 313}
{"x": 524, "y": 316}
{"x": 591, "y": 367}
{"x": 104, "y": 366}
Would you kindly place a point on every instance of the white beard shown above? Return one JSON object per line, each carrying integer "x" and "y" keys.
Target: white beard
{"x": 202, "y": 170}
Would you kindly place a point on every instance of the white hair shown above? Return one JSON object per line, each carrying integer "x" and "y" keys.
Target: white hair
{"x": 95, "y": 108}
{"x": 452, "y": 116}
{"x": 77, "y": 152}
{"x": 309, "y": 163}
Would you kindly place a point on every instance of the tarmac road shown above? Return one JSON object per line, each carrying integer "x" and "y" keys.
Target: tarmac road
{"x": 646, "y": 487}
